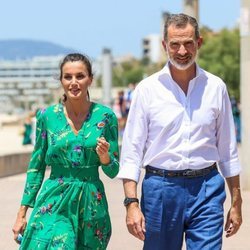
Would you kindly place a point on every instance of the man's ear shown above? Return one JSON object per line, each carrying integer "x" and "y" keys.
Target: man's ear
{"x": 164, "y": 45}
{"x": 200, "y": 41}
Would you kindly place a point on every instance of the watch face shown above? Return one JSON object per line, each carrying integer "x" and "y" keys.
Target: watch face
{"x": 126, "y": 201}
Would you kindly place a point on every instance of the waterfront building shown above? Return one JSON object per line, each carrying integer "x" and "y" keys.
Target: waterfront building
{"x": 151, "y": 46}
{"x": 29, "y": 82}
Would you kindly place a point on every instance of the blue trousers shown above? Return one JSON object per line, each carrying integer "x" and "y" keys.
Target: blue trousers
{"x": 178, "y": 207}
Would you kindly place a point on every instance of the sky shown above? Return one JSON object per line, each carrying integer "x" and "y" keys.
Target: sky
{"x": 90, "y": 26}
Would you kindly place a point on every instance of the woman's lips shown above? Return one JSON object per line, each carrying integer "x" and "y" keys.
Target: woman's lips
{"x": 75, "y": 91}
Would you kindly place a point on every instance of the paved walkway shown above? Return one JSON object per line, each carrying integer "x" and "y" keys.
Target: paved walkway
{"x": 11, "y": 191}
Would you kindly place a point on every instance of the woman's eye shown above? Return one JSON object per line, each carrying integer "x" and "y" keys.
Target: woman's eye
{"x": 80, "y": 77}
{"x": 67, "y": 77}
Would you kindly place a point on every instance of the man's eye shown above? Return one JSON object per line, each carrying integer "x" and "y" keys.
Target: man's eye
{"x": 174, "y": 45}
{"x": 188, "y": 44}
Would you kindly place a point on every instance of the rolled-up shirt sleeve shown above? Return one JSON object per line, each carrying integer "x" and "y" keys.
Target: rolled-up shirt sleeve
{"x": 134, "y": 139}
{"x": 226, "y": 139}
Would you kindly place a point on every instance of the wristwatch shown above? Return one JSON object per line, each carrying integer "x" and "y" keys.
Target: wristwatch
{"x": 128, "y": 200}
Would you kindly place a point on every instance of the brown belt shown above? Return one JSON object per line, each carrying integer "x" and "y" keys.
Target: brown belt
{"x": 189, "y": 173}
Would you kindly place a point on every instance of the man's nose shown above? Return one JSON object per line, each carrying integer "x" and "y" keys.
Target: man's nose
{"x": 182, "y": 50}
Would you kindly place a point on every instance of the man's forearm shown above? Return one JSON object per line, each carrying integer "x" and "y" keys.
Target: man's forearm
{"x": 234, "y": 188}
{"x": 130, "y": 188}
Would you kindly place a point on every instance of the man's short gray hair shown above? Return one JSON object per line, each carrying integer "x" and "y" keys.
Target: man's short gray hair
{"x": 180, "y": 21}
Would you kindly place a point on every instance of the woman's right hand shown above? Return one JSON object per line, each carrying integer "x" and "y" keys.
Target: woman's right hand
{"x": 20, "y": 223}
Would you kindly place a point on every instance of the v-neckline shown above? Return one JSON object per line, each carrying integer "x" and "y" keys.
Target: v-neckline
{"x": 83, "y": 123}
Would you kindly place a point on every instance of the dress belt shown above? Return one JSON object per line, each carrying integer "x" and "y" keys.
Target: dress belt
{"x": 189, "y": 173}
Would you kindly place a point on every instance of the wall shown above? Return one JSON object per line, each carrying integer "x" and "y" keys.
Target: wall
{"x": 11, "y": 164}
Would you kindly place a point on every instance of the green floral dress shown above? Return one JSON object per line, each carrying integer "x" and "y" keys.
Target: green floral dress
{"x": 71, "y": 210}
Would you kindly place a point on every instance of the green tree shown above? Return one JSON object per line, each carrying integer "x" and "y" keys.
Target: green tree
{"x": 127, "y": 72}
{"x": 220, "y": 55}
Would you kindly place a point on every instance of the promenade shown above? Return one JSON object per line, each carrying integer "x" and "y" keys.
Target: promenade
{"x": 11, "y": 189}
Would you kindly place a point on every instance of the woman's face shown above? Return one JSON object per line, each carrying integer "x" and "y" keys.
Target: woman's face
{"x": 75, "y": 80}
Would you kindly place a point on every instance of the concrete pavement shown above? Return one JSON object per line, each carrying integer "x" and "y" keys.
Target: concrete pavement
{"x": 11, "y": 189}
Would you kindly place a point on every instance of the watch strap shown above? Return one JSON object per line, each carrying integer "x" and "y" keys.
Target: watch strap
{"x": 129, "y": 200}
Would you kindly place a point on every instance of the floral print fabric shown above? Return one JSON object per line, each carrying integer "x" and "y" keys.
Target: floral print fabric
{"x": 71, "y": 210}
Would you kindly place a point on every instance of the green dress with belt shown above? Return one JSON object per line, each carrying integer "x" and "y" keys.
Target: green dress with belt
{"x": 71, "y": 210}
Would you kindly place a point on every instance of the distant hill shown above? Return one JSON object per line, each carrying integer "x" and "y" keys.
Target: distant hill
{"x": 25, "y": 49}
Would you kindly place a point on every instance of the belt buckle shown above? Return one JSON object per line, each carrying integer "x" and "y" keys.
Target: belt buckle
{"x": 188, "y": 173}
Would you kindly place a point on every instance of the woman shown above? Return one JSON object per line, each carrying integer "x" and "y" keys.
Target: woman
{"x": 27, "y": 130}
{"x": 74, "y": 138}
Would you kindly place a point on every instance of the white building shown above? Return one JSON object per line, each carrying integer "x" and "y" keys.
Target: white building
{"x": 152, "y": 47}
{"x": 24, "y": 83}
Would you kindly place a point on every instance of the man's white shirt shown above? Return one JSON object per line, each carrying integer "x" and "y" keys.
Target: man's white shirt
{"x": 169, "y": 130}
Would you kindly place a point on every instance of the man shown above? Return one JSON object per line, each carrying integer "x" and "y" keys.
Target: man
{"x": 180, "y": 128}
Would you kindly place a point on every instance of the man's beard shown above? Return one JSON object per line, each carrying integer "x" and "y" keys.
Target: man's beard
{"x": 181, "y": 66}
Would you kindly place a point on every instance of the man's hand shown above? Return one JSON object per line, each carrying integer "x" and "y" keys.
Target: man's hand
{"x": 234, "y": 220}
{"x": 135, "y": 221}
{"x": 234, "y": 216}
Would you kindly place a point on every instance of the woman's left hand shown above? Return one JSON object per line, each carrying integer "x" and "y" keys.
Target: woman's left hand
{"x": 102, "y": 150}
